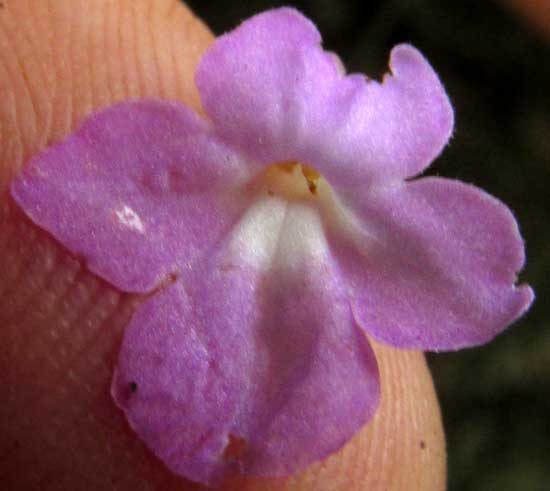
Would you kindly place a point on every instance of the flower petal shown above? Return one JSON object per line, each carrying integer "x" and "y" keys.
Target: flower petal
{"x": 272, "y": 91}
{"x": 256, "y": 367}
{"x": 434, "y": 265}
{"x": 137, "y": 188}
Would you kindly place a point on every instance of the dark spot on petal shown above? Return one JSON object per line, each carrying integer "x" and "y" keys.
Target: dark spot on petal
{"x": 133, "y": 386}
{"x": 270, "y": 192}
{"x": 422, "y": 444}
{"x": 166, "y": 282}
{"x": 235, "y": 447}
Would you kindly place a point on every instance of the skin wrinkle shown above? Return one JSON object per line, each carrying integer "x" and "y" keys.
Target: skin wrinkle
{"x": 40, "y": 260}
{"x": 43, "y": 106}
{"x": 16, "y": 331}
{"x": 16, "y": 42}
{"x": 65, "y": 68}
{"x": 72, "y": 434}
{"x": 45, "y": 304}
{"x": 403, "y": 407}
{"x": 173, "y": 62}
{"x": 129, "y": 50}
{"x": 139, "y": 23}
{"x": 15, "y": 256}
{"x": 87, "y": 293}
{"x": 11, "y": 140}
{"x": 84, "y": 361}
{"x": 112, "y": 40}
{"x": 83, "y": 69}
{"x": 63, "y": 353}
{"x": 151, "y": 39}
{"x": 97, "y": 318}
{"x": 379, "y": 448}
{"x": 27, "y": 75}
{"x": 29, "y": 282}
{"x": 95, "y": 70}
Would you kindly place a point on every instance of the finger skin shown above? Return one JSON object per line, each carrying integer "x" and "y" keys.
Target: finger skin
{"x": 61, "y": 327}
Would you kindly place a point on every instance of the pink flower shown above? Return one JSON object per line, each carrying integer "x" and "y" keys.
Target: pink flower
{"x": 272, "y": 235}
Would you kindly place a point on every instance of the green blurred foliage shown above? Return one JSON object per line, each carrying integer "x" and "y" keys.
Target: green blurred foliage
{"x": 495, "y": 399}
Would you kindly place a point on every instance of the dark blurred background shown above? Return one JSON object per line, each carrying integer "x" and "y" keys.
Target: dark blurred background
{"x": 495, "y": 66}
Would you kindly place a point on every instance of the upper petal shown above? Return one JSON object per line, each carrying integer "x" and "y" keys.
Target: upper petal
{"x": 137, "y": 188}
{"x": 273, "y": 91}
{"x": 432, "y": 265}
{"x": 262, "y": 352}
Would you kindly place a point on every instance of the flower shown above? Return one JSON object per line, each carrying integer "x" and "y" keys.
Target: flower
{"x": 270, "y": 236}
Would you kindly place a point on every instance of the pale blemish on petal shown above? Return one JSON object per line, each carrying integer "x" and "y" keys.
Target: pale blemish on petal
{"x": 129, "y": 218}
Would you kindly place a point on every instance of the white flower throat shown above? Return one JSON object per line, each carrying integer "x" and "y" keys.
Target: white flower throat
{"x": 283, "y": 224}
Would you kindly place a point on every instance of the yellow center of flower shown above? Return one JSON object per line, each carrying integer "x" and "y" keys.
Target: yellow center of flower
{"x": 292, "y": 180}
